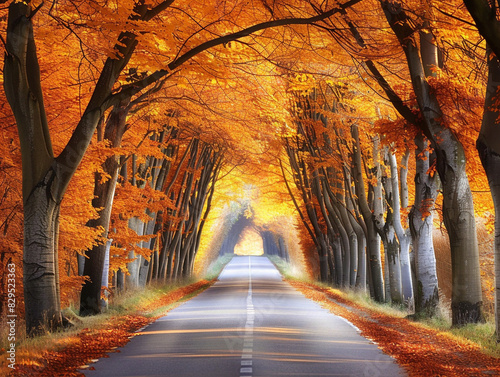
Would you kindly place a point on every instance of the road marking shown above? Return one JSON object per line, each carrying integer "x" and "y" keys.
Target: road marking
{"x": 246, "y": 369}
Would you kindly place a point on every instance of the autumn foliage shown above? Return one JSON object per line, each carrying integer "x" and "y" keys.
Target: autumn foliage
{"x": 337, "y": 131}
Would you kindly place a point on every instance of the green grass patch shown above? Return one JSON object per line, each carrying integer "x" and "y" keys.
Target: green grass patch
{"x": 216, "y": 267}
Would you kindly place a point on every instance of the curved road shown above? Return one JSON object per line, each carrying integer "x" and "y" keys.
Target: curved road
{"x": 250, "y": 323}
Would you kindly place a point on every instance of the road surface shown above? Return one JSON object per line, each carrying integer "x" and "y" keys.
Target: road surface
{"x": 250, "y": 323}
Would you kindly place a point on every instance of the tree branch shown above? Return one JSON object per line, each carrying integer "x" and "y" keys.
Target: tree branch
{"x": 487, "y": 24}
{"x": 136, "y": 87}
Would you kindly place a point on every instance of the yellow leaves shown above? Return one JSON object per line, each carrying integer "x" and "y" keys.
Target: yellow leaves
{"x": 248, "y": 213}
{"x": 302, "y": 83}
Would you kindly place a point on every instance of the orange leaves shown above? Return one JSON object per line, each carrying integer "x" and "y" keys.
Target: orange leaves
{"x": 461, "y": 102}
{"x": 426, "y": 207}
{"x": 132, "y": 200}
{"x": 70, "y": 285}
{"x": 422, "y": 350}
{"x": 398, "y": 133}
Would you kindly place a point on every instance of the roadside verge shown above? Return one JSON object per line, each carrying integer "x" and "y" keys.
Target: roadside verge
{"x": 423, "y": 351}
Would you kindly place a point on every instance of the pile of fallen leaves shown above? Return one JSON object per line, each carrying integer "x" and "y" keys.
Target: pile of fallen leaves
{"x": 88, "y": 345}
{"x": 422, "y": 351}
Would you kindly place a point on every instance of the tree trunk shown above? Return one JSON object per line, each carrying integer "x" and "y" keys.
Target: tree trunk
{"x": 104, "y": 193}
{"x": 488, "y": 146}
{"x": 41, "y": 275}
{"x": 40, "y": 169}
{"x": 133, "y": 267}
{"x": 373, "y": 239}
{"x": 458, "y": 206}
{"x": 360, "y": 231}
{"x": 91, "y": 291}
{"x": 330, "y": 231}
{"x": 387, "y": 231}
{"x": 421, "y": 226}
{"x": 402, "y": 234}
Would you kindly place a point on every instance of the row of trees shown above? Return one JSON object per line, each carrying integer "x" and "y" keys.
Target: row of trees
{"x": 404, "y": 68}
{"x": 434, "y": 82}
{"x": 113, "y": 85}
{"x": 178, "y": 185}
{"x": 348, "y": 220}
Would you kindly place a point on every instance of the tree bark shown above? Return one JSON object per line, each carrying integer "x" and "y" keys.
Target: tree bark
{"x": 485, "y": 15}
{"x": 458, "y": 207}
{"x": 488, "y": 146}
{"x": 104, "y": 193}
{"x": 40, "y": 272}
{"x": 403, "y": 235}
{"x": 40, "y": 180}
{"x": 40, "y": 169}
{"x": 421, "y": 226}
{"x": 373, "y": 239}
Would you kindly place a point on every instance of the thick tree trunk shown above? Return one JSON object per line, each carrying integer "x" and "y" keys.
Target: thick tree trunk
{"x": 40, "y": 169}
{"x": 41, "y": 275}
{"x": 458, "y": 207}
{"x": 43, "y": 187}
{"x": 488, "y": 146}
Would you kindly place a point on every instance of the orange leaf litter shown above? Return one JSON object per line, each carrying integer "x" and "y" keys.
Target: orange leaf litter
{"x": 422, "y": 351}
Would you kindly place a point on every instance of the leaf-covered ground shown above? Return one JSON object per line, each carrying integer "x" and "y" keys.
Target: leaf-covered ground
{"x": 422, "y": 351}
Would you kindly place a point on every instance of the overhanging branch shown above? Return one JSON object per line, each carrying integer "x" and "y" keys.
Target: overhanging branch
{"x": 130, "y": 90}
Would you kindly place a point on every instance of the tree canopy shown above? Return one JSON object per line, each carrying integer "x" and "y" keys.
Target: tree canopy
{"x": 346, "y": 132}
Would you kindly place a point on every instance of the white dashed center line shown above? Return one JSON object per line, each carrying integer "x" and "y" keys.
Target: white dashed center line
{"x": 246, "y": 369}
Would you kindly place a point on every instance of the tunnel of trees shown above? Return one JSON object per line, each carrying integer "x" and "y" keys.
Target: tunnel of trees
{"x": 142, "y": 138}
{"x": 273, "y": 243}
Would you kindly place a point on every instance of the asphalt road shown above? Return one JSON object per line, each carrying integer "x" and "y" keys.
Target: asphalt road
{"x": 250, "y": 323}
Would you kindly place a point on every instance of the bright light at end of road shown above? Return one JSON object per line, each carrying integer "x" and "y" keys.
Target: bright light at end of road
{"x": 250, "y": 243}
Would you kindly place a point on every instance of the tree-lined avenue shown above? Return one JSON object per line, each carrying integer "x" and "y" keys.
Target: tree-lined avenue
{"x": 250, "y": 323}
{"x": 144, "y": 143}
